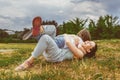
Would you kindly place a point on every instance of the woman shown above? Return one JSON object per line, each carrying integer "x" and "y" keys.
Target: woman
{"x": 53, "y": 53}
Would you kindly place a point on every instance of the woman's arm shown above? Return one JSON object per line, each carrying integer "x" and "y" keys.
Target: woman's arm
{"x": 77, "y": 52}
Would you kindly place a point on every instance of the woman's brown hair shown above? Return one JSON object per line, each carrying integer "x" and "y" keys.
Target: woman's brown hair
{"x": 92, "y": 52}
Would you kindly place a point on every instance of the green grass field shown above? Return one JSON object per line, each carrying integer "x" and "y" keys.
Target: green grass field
{"x": 106, "y": 65}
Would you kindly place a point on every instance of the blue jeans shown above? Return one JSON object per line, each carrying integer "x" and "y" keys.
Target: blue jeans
{"x": 60, "y": 41}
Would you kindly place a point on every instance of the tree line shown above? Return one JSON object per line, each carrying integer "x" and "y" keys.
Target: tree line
{"x": 106, "y": 27}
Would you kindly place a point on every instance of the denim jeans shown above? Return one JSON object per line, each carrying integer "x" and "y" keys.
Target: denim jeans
{"x": 60, "y": 41}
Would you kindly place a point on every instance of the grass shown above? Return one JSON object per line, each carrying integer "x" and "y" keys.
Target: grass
{"x": 106, "y": 65}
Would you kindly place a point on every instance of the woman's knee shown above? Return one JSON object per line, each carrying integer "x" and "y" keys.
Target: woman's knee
{"x": 44, "y": 37}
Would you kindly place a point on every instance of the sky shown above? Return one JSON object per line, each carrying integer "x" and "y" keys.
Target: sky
{"x": 18, "y": 14}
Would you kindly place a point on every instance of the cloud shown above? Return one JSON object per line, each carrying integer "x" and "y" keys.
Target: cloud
{"x": 5, "y": 22}
{"x": 112, "y": 7}
{"x": 18, "y": 14}
{"x": 87, "y": 9}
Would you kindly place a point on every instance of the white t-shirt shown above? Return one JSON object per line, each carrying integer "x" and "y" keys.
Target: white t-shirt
{"x": 73, "y": 42}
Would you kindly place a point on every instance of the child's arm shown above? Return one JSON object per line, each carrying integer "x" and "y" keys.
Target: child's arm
{"x": 81, "y": 48}
{"x": 76, "y": 39}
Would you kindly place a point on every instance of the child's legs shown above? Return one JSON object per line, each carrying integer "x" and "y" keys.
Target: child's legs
{"x": 60, "y": 41}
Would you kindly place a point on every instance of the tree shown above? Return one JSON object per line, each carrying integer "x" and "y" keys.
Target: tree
{"x": 3, "y": 34}
{"x": 78, "y": 24}
{"x": 73, "y": 26}
{"x": 92, "y": 28}
{"x": 105, "y": 28}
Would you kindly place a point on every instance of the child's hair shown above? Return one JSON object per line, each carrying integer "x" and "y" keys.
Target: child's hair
{"x": 84, "y": 34}
{"x": 92, "y": 52}
{"x": 37, "y": 21}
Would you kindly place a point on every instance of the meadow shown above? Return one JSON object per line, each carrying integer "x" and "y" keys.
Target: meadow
{"x": 106, "y": 65}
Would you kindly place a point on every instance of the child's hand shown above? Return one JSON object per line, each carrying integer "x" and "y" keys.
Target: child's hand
{"x": 81, "y": 48}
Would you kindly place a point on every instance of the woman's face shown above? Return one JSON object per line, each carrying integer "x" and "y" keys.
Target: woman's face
{"x": 88, "y": 45}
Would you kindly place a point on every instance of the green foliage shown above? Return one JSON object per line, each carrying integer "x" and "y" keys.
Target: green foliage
{"x": 72, "y": 26}
{"x": 107, "y": 27}
{"x": 15, "y": 40}
{"x": 3, "y": 34}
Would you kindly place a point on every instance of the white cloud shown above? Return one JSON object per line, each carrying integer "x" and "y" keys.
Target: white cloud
{"x": 54, "y": 3}
{"x": 12, "y": 12}
{"x": 88, "y": 9}
{"x": 5, "y": 23}
{"x": 21, "y": 12}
